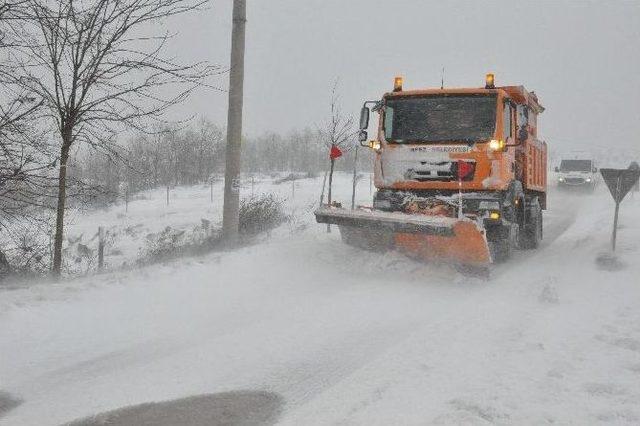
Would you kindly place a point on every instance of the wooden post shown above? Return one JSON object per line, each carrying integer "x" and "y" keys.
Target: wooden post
{"x": 100, "y": 248}
{"x": 330, "y": 181}
{"x": 211, "y": 186}
{"x": 329, "y": 191}
{"x": 324, "y": 184}
{"x": 167, "y": 194}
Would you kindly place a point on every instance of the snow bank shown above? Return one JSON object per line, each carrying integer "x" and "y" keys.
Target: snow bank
{"x": 345, "y": 336}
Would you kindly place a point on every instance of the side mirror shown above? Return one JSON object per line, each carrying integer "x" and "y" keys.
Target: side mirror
{"x": 362, "y": 137}
{"x": 556, "y": 170}
{"x": 594, "y": 170}
{"x": 364, "y": 118}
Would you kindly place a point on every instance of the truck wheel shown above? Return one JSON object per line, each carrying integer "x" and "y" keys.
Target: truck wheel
{"x": 500, "y": 250}
{"x": 532, "y": 233}
{"x": 500, "y": 241}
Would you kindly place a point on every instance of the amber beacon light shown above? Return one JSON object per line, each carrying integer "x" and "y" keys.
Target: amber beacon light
{"x": 489, "y": 81}
{"x": 397, "y": 84}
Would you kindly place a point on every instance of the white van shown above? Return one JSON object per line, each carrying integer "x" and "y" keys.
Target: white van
{"x": 577, "y": 173}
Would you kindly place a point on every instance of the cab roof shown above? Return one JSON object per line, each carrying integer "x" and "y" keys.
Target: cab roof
{"x": 517, "y": 94}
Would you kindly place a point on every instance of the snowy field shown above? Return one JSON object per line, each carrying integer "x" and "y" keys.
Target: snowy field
{"x": 340, "y": 335}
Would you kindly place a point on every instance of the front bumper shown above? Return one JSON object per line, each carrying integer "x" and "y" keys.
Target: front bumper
{"x": 578, "y": 182}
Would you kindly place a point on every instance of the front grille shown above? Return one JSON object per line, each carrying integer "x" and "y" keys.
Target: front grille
{"x": 423, "y": 176}
{"x": 445, "y": 171}
{"x": 574, "y": 181}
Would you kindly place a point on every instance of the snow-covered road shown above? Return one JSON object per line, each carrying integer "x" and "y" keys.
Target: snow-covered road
{"x": 345, "y": 336}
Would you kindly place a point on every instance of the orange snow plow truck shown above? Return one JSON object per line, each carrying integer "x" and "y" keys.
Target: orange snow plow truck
{"x": 460, "y": 175}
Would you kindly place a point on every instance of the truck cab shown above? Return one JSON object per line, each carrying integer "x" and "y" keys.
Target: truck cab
{"x": 577, "y": 173}
{"x": 425, "y": 135}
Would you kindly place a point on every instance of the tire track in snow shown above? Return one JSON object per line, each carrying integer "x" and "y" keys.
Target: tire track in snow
{"x": 562, "y": 213}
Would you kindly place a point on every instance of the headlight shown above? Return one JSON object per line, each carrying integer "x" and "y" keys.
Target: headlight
{"x": 496, "y": 145}
{"x": 560, "y": 179}
{"x": 588, "y": 179}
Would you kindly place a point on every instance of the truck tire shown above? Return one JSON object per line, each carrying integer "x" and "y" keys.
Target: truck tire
{"x": 500, "y": 250}
{"x": 532, "y": 232}
{"x": 501, "y": 241}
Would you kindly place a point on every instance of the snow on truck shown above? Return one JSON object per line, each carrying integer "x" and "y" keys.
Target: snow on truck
{"x": 460, "y": 175}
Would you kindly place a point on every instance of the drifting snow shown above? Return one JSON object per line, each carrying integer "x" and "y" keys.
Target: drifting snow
{"x": 343, "y": 336}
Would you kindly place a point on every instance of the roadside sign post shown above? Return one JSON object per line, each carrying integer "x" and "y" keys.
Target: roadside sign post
{"x": 615, "y": 218}
{"x": 619, "y": 182}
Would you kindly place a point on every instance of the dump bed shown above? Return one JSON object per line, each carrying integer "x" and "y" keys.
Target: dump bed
{"x": 535, "y": 166}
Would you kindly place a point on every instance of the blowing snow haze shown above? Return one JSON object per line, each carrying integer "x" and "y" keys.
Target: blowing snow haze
{"x": 461, "y": 265}
{"x": 578, "y": 56}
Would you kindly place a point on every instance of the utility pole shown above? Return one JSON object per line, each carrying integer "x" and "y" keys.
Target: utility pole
{"x": 234, "y": 126}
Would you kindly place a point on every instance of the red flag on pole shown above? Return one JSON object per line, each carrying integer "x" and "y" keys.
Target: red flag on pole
{"x": 335, "y": 152}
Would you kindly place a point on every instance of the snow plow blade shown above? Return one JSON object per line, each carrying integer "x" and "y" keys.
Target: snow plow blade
{"x": 385, "y": 221}
{"x": 431, "y": 238}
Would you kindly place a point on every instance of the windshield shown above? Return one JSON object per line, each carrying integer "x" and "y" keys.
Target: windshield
{"x": 575, "y": 165}
{"x": 439, "y": 118}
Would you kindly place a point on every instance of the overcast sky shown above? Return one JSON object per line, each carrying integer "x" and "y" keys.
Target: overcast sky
{"x": 581, "y": 58}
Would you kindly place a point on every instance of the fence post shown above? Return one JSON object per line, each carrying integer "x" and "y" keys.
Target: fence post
{"x": 211, "y": 185}
{"x": 100, "y": 248}
{"x": 167, "y": 194}
{"x": 126, "y": 200}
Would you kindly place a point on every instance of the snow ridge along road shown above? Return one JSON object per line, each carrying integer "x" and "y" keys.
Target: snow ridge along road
{"x": 344, "y": 336}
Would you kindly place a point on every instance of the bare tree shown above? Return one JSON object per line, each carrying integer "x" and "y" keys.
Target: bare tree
{"x": 337, "y": 133}
{"x": 17, "y": 161}
{"x": 99, "y": 67}
{"x": 25, "y": 163}
{"x": 24, "y": 159}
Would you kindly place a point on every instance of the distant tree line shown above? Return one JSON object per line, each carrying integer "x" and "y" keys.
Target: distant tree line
{"x": 195, "y": 155}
